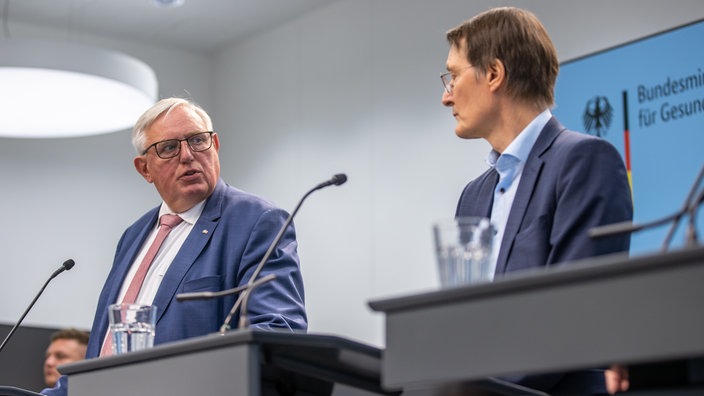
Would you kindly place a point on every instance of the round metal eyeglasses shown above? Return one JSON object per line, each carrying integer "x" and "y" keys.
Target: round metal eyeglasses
{"x": 448, "y": 80}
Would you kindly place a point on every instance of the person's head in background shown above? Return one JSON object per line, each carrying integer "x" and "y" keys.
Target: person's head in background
{"x": 65, "y": 346}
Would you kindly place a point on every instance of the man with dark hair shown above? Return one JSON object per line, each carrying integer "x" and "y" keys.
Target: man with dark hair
{"x": 65, "y": 346}
{"x": 546, "y": 186}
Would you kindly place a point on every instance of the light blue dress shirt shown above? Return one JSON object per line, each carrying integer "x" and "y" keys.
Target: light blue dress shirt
{"x": 509, "y": 165}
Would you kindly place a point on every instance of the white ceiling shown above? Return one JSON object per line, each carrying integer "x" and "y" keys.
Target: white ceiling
{"x": 198, "y": 25}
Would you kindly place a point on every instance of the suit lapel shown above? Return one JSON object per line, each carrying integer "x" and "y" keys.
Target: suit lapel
{"x": 479, "y": 202}
{"x": 486, "y": 192}
{"x": 529, "y": 179}
{"x": 121, "y": 267}
{"x": 128, "y": 258}
{"x": 190, "y": 250}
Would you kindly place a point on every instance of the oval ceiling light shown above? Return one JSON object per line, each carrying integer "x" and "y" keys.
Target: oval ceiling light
{"x": 60, "y": 89}
{"x": 167, "y": 3}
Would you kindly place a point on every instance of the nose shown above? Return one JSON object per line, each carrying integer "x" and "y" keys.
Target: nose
{"x": 447, "y": 98}
{"x": 185, "y": 154}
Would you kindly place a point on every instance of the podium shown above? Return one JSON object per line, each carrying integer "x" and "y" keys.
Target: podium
{"x": 591, "y": 313}
{"x": 248, "y": 362}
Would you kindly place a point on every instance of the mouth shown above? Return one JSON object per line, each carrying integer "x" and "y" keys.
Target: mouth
{"x": 190, "y": 173}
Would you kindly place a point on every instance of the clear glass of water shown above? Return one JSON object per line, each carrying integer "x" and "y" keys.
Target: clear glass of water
{"x": 463, "y": 250}
{"x": 132, "y": 327}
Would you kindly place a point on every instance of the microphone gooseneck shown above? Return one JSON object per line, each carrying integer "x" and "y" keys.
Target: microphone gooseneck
{"x": 689, "y": 208}
{"x": 691, "y": 232}
{"x": 629, "y": 226}
{"x": 245, "y": 290}
{"x": 243, "y": 297}
{"x": 337, "y": 180}
{"x": 67, "y": 265}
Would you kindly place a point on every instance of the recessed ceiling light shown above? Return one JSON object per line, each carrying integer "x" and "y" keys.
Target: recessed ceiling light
{"x": 168, "y": 3}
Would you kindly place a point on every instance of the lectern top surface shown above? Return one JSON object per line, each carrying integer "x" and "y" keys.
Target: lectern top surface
{"x": 588, "y": 270}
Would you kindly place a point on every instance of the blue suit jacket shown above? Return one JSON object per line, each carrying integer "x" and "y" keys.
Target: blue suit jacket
{"x": 571, "y": 182}
{"x": 231, "y": 236}
{"x": 226, "y": 244}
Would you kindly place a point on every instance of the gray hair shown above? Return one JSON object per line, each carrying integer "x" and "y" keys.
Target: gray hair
{"x": 164, "y": 106}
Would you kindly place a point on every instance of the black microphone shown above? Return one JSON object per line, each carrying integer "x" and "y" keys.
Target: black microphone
{"x": 688, "y": 208}
{"x": 338, "y": 179}
{"x": 253, "y": 282}
{"x": 67, "y": 265}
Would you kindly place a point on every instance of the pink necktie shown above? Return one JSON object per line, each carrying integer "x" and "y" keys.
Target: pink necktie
{"x": 166, "y": 223}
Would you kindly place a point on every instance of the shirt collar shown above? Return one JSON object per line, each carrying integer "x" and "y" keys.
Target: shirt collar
{"x": 520, "y": 146}
{"x": 190, "y": 216}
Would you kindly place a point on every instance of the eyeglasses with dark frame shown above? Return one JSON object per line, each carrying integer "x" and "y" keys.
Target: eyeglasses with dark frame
{"x": 170, "y": 148}
{"x": 448, "y": 80}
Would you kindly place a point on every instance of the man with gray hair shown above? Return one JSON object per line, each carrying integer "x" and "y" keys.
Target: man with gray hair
{"x": 218, "y": 235}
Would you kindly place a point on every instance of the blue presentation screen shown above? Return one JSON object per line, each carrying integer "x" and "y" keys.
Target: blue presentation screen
{"x": 647, "y": 98}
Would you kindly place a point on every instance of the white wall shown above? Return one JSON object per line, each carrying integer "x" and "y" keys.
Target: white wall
{"x": 355, "y": 87}
{"x": 83, "y": 191}
{"x": 352, "y": 87}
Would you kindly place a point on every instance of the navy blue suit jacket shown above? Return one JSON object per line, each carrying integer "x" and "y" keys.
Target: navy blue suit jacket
{"x": 226, "y": 244}
{"x": 571, "y": 182}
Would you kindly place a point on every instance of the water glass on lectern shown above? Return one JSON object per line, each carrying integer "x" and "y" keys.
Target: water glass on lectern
{"x": 132, "y": 327}
{"x": 463, "y": 250}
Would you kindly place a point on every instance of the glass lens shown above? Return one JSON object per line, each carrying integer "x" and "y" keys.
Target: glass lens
{"x": 172, "y": 147}
{"x": 446, "y": 81}
{"x": 199, "y": 141}
{"x": 168, "y": 148}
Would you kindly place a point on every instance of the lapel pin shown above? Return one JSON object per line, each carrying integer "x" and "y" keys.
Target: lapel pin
{"x": 205, "y": 231}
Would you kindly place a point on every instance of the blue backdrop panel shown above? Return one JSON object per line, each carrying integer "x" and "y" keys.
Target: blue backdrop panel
{"x": 647, "y": 98}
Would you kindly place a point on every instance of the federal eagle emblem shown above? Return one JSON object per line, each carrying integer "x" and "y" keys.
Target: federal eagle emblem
{"x": 597, "y": 116}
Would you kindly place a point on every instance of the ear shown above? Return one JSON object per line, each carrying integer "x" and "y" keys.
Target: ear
{"x": 140, "y": 163}
{"x": 496, "y": 75}
{"x": 216, "y": 142}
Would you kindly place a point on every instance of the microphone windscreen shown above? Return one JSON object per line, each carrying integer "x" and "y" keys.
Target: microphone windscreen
{"x": 339, "y": 179}
{"x": 68, "y": 264}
